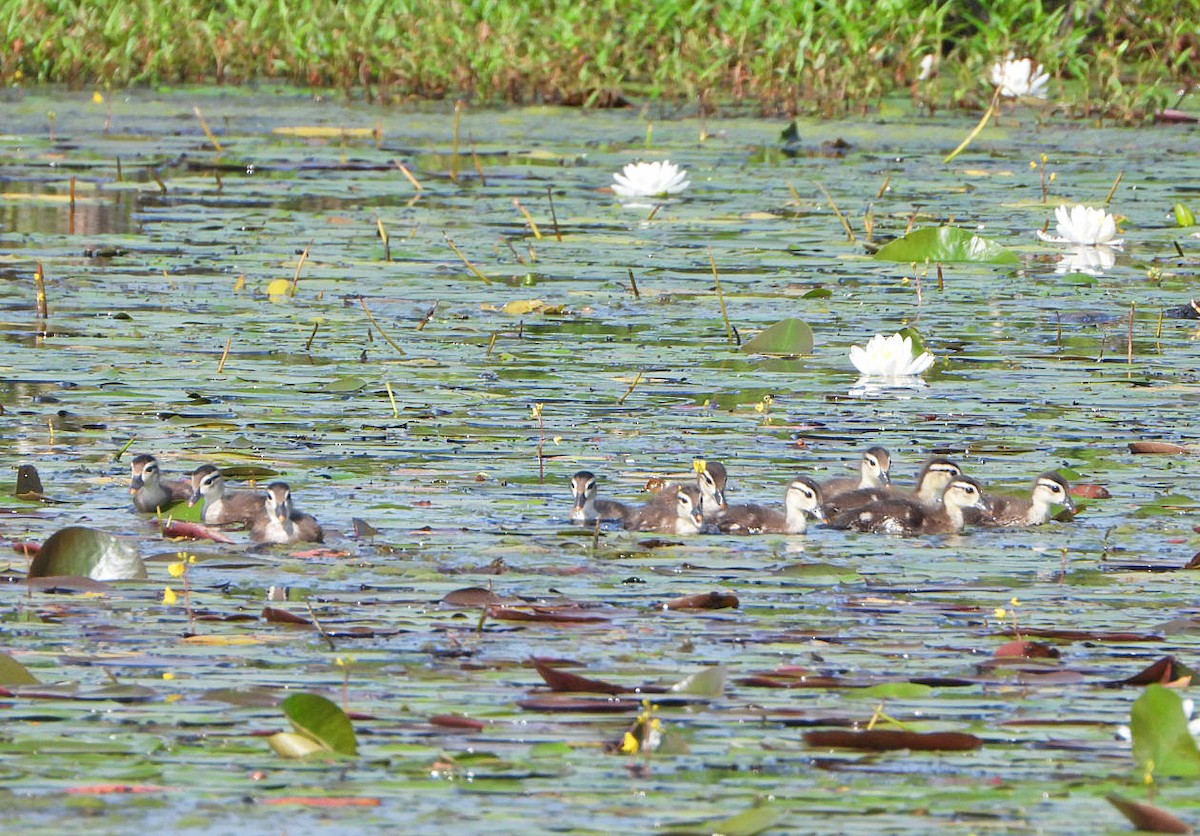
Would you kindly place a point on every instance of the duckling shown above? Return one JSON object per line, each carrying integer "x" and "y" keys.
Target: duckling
{"x": 904, "y": 516}
{"x": 587, "y": 507}
{"x": 1049, "y": 489}
{"x": 803, "y": 497}
{"x": 873, "y": 471}
{"x": 279, "y": 522}
{"x": 150, "y": 492}
{"x": 932, "y": 480}
{"x": 711, "y": 479}
{"x": 221, "y": 506}
{"x": 686, "y": 516}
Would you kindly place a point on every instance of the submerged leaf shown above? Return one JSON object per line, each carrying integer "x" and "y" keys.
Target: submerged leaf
{"x": 945, "y": 244}
{"x": 87, "y": 553}
{"x": 789, "y": 337}
{"x": 321, "y": 720}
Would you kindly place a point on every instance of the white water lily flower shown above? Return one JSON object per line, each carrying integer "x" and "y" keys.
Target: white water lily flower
{"x": 927, "y": 67}
{"x": 650, "y": 179}
{"x": 1018, "y": 78}
{"x": 1083, "y": 225}
{"x": 1094, "y": 261}
{"x": 889, "y": 357}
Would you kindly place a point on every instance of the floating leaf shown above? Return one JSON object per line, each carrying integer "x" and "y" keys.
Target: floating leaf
{"x": 278, "y": 288}
{"x": 1162, "y": 744}
{"x": 789, "y": 337}
{"x": 704, "y": 601}
{"x": 945, "y": 245}
{"x": 709, "y": 682}
{"x": 88, "y": 553}
{"x": 29, "y": 483}
{"x": 321, "y": 720}
{"x": 457, "y": 721}
{"x": 1184, "y": 216}
{"x": 471, "y": 596}
{"x": 1147, "y": 818}
{"x": 1160, "y": 448}
{"x": 894, "y": 691}
{"x": 746, "y": 823}
{"x": 884, "y": 740}
{"x": 519, "y": 307}
{"x": 323, "y": 132}
{"x": 565, "y": 681}
{"x": 13, "y": 672}
{"x": 292, "y": 745}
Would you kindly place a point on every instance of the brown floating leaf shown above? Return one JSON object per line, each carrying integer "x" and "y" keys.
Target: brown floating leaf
{"x": 1089, "y": 635}
{"x": 563, "y": 615}
{"x": 471, "y": 596}
{"x": 193, "y": 531}
{"x": 29, "y": 549}
{"x": 556, "y": 702}
{"x": 1146, "y": 818}
{"x": 1171, "y": 115}
{"x": 457, "y": 721}
{"x": 565, "y": 681}
{"x": 275, "y": 615}
{"x": 1194, "y": 563}
{"x": 1164, "y": 671}
{"x": 322, "y": 552}
{"x": 362, "y": 528}
{"x": 1090, "y": 491}
{"x": 704, "y": 601}
{"x": 1028, "y": 650}
{"x": 28, "y": 481}
{"x": 1161, "y": 448}
{"x": 885, "y": 740}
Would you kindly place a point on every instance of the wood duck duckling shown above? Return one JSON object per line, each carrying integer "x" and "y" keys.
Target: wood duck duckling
{"x": 279, "y": 522}
{"x": 711, "y": 479}
{"x": 587, "y": 507}
{"x": 873, "y": 472}
{"x": 220, "y": 505}
{"x": 803, "y": 498}
{"x": 684, "y": 516}
{"x": 932, "y": 480}
{"x": 904, "y": 516}
{"x": 150, "y": 492}
{"x": 1049, "y": 490}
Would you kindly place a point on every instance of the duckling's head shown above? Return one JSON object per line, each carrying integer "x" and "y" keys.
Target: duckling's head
{"x": 583, "y": 486}
{"x": 207, "y": 482}
{"x": 803, "y": 494}
{"x": 279, "y": 500}
{"x": 876, "y": 468}
{"x": 964, "y": 492}
{"x": 143, "y": 471}
{"x": 1052, "y": 489}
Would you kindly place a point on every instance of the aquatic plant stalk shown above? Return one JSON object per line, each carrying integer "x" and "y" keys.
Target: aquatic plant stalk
{"x": 977, "y": 130}
{"x": 299, "y": 267}
{"x": 720, "y": 297}
{"x": 362, "y": 301}
{"x": 629, "y": 391}
{"x": 411, "y": 178}
{"x": 553, "y": 214}
{"x": 207, "y": 131}
{"x": 633, "y": 284}
{"x": 224, "y": 355}
{"x": 837, "y": 211}
{"x": 39, "y": 290}
{"x": 458, "y": 110}
{"x": 537, "y": 233}
{"x": 383, "y": 236}
{"x": 392, "y": 398}
{"x": 1108, "y": 198}
{"x": 470, "y": 266}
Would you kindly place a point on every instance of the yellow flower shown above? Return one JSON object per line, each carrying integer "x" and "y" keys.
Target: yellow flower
{"x": 1014, "y": 602}
{"x": 699, "y": 465}
{"x": 98, "y": 97}
{"x": 629, "y": 744}
{"x": 170, "y": 599}
{"x": 1000, "y": 612}
{"x": 168, "y": 676}
{"x": 176, "y": 569}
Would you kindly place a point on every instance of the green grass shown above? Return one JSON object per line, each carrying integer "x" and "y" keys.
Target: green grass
{"x": 1122, "y": 58}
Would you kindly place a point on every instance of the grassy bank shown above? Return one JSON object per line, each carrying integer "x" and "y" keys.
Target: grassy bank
{"x": 1124, "y": 58}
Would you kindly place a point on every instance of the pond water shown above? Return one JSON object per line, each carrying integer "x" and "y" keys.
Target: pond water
{"x": 165, "y": 260}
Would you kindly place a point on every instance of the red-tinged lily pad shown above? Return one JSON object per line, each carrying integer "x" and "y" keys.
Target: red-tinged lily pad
{"x": 1165, "y": 670}
{"x": 1158, "y": 448}
{"x": 1089, "y": 635}
{"x": 471, "y": 596}
{"x": 1172, "y": 115}
{"x": 87, "y": 553}
{"x": 704, "y": 601}
{"x": 559, "y": 680}
{"x": 457, "y": 721}
{"x": 546, "y": 615}
{"x": 178, "y": 530}
{"x": 1028, "y": 650}
{"x": 274, "y": 615}
{"x": 119, "y": 789}
{"x": 556, "y": 702}
{"x": 26, "y": 547}
{"x": 886, "y": 740}
{"x": 1147, "y": 818}
{"x": 1087, "y": 490}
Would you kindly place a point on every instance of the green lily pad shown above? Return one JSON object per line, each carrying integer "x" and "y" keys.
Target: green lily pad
{"x": 1162, "y": 744}
{"x": 1184, "y": 216}
{"x": 321, "y": 720}
{"x": 13, "y": 672}
{"x": 709, "y": 682}
{"x": 946, "y": 245}
{"x": 88, "y": 553}
{"x": 788, "y": 337}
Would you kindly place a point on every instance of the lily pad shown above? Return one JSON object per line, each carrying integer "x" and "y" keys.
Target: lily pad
{"x": 946, "y": 245}
{"x": 788, "y": 337}
{"x": 88, "y": 553}
{"x": 1162, "y": 743}
{"x": 13, "y": 672}
{"x": 322, "y": 721}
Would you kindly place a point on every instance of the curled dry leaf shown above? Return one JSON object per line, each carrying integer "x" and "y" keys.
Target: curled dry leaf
{"x": 457, "y": 721}
{"x": 560, "y": 680}
{"x": 704, "y": 601}
{"x": 885, "y": 740}
{"x": 1028, "y": 650}
{"x": 1147, "y": 818}
{"x": 1165, "y": 671}
{"x": 471, "y": 596}
{"x": 274, "y": 615}
{"x": 1160, "y": 448}
{"x": 1194, "y": 563}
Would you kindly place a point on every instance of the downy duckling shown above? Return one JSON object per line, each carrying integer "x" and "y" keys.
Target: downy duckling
{"x": 873, "y": 470}
{"x": 1049, "y": 490}
{"x": 711, "y": 479}
{"x": 903, "y": 516}
{"x": 150, "y": 492}
{"x": 587, "y": 507}
{"x": 803, "y": 498}
{"x": 279, "y": 522}
{"x": 220, "y": 505}
{"x": 684, "y": 516}
{"x": 935, "y": 475}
